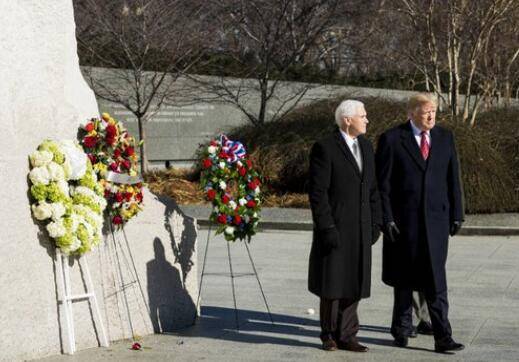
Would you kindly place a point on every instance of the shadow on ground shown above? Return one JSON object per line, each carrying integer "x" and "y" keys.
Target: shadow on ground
{"x": 255, "y": 327}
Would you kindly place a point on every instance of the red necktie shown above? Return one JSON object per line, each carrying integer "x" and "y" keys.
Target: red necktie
{"x": 424, "y": 146}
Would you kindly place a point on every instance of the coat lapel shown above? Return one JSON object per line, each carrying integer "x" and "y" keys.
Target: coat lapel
{"x": 346, "y": 151}
{"x": 409, "y": 143}
{"x": 435, "y": 147}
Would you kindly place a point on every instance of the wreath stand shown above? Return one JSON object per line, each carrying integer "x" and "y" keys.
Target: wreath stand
{"x": 134, "y": 276}
{"x": 66, "y": 298}
{"x": 232, "y": 277}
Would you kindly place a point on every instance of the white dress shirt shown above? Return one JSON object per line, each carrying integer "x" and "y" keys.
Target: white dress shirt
{"x": 418, "y": 134}
{"x": 353, "y": 143}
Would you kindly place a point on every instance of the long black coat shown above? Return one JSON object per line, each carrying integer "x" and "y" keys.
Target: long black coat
{"x": 342, "y": 197}
{"x": 423, "y": 198}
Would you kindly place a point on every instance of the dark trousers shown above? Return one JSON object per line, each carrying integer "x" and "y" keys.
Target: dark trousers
{"x": 339, "y": 319}
{"x": 437, "y": 304}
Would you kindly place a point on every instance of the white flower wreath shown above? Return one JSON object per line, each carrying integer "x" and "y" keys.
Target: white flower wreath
{"x": 67, "y": 196}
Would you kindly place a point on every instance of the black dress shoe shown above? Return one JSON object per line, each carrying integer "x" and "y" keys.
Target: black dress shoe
{"x": 447, "y": 345}
{"x": 412, "y": 333}
{"x": 329, "y": 345}
{"x": 424, "y": 328}
{"x": 400, "y": 341}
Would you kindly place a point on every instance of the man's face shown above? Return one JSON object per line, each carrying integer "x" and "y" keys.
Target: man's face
{"x": 424, "y": 117}
{"x": 356, "y": 125}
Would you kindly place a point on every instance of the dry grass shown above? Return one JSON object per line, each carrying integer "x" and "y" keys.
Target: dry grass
{"x": 177, "y": 184}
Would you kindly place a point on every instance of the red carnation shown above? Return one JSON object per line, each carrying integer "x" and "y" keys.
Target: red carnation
{"x": 138, "y": 197}
{"x": 213, "y": 143}
{"x": 92, "y": 158}
{"x": 126, "y": 164}
{"x": 237, "y": 220}
{"x": 110, "y": 140}
{"x": 222, "y": 219}
{"x": 90, "y": 141}
{"x": 127, "y": 196}
{"x": 251, "y": 203}
{"x": 257, "y": 181}
{"x": 113, "y": 166}
{"x": 249, "y": 164}
{"x": 242, "y": 171}
{"x": 211, "y": 194}
{"x": 89, "y": 127}
{"x": 111, "y": 130}
{"x": 136, "y": 346}
{"x": 129, "y": 151}
{"x": 252, "y": 185}
{"x": 117, "y": 220}
{"x": 207, "y": 163}
{"x": 223, "y": 155}
{"x": 117, "y": 153}
{"x": 108, "y": 193}
{"x": 225, "y": 199}
{"x": 119, "y": 197}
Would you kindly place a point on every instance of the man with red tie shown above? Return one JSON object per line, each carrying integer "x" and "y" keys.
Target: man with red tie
{"x": 420, "y": 191}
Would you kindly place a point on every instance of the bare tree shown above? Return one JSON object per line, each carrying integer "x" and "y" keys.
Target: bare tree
{"x": 268, "y": 38}
{"x": 451, "y": 43}
{"x": 147, "y": 44}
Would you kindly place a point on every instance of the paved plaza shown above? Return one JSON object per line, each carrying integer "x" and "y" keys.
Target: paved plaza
{"x": 483, "y": 279}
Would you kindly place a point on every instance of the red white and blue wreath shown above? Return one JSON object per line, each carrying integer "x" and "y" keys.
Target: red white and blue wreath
{"x": 233, "y": 186}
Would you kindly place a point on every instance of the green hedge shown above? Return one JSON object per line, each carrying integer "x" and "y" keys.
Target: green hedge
{"x": 489, "y": 152}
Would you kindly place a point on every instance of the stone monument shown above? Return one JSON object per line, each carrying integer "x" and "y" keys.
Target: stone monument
{"x": 43, "y": 95}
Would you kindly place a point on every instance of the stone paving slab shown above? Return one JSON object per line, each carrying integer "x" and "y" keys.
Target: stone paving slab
{"x": 483, "y": 277}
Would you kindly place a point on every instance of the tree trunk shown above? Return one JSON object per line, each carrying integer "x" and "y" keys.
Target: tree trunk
{"x": 141, "y": 120}
{"x": 263, "y": 101}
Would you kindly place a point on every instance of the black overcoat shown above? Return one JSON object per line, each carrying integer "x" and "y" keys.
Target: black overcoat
{"x": 423, "y": 198}
{"x": 342, "y": 197}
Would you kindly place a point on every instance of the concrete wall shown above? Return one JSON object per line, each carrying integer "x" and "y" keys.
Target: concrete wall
{"x": 43, "y": 95}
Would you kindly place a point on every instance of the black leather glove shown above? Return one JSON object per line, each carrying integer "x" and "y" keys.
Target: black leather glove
{"x": 455, "y": 227}
{"x": 391, "y": 231}
{"x": 329, "y": 237}
{"x": 375, "y": 234}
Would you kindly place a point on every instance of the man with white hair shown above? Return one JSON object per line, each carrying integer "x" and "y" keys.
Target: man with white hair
{"x": 346, "y": 213}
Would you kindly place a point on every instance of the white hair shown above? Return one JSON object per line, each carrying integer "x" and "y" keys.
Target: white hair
{"x": 347, "y": 108}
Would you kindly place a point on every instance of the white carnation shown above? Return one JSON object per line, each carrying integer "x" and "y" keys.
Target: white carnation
{"x": 56, "y": 229}
{"x": 232, "y": 205}
{"x": 42, "y": 210}
{"x": 39, "y": 175}
{"x": 56, "y": 172}
{"x": 82, "y": 190}
{"x": 239, "y": 164}
{"x": 222, "y": 185}
{"x": 221, "y": 165}
{"x": 76, "y": 244}
{"x": 229, "y": 230}
{"x": 76, "y": 219}
{"x": 58, "y": 210}
{"x": 75, "y": 159}
{"x": 211, "y": 149}
{"x": 63, "y": 187}
{"x": 242, "y": 201}
{"x": 101, "y": 201}
{"x": 40, "y": 158}
{"x": 256, "y": 191}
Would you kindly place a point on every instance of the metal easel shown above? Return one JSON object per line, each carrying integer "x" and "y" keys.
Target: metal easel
{"x": 232, "y": 277}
